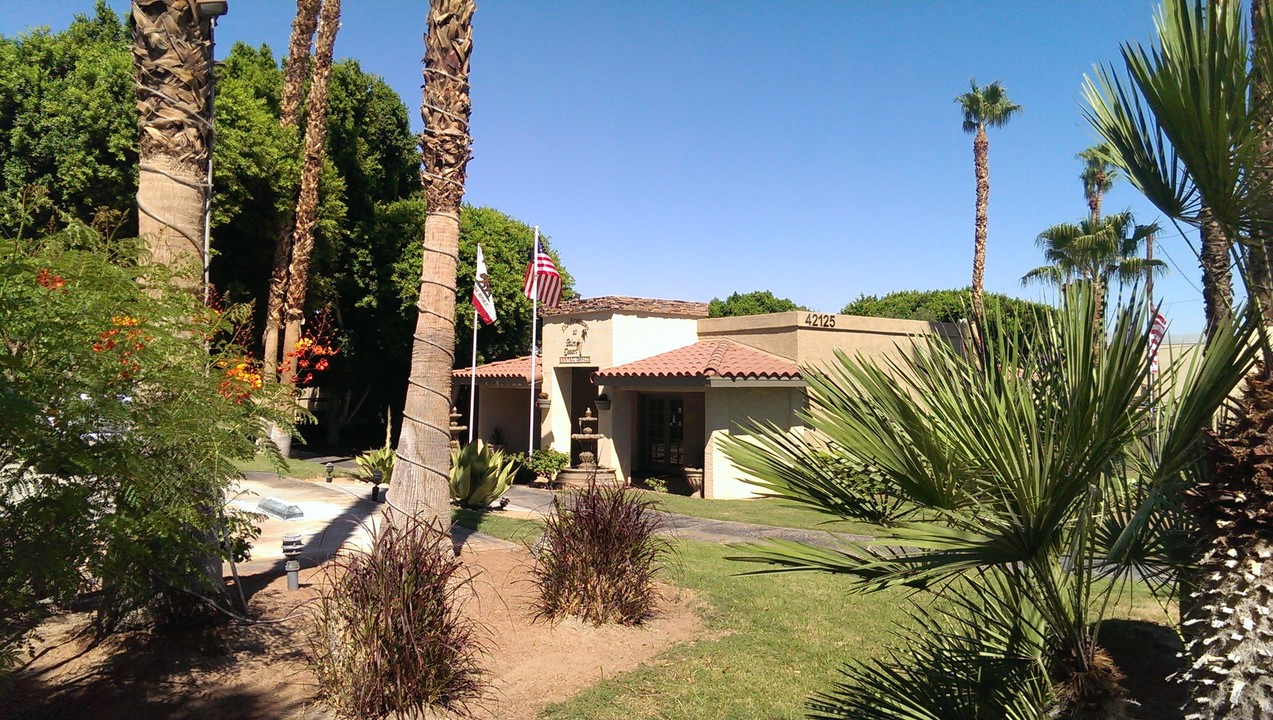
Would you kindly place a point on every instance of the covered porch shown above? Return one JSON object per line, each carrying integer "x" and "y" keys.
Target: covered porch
{"x": 502, "y": 411}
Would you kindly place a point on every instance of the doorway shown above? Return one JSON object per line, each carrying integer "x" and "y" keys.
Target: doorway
{"x": 661, "y": 448}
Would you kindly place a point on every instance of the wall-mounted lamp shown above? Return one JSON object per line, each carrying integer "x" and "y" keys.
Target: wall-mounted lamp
{"x": 211, "y": 9}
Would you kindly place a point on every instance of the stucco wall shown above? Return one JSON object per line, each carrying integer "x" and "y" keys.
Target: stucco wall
{"x": 726, "y": 410}
{"x": 507, "y": 409}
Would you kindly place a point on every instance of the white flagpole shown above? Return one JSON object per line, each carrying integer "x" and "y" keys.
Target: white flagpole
{"x": 473, "y": 378}
{"x": 534, "y": 322}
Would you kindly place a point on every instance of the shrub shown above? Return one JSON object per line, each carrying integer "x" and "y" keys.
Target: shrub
{"x": 547, "y": 462}
{"x": 379, "y": 459}
{"x": 388, "y": 638}
{"x": 599, "y": 556}
{"x": 480, "y": 475}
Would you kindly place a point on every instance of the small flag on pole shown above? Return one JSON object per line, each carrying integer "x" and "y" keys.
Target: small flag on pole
{"x": 1157, "y": 329}
{"x": 483, "y": 300}
{"x": 542, "y": 279}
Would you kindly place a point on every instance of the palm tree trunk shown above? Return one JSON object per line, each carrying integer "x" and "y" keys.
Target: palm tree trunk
{"x": 1217, "y": 278}
{"x": 173, "y": 65}
{"x": 297, "y": 68}
{"x": 422, "y": 467}
{"x": 1231, "y": 629}
{"x": 981, "y": 166}
{"x": 1259, "y": 271}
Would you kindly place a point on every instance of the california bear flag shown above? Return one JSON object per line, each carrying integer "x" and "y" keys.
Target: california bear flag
{"x": 483, "y": 300}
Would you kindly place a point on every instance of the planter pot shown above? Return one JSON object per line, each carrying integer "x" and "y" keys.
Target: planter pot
{"x": 694, "y": 476}
{"x": 603, "y": 405}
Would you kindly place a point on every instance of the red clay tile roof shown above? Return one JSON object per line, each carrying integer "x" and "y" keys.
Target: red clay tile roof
{"x": 515, "y": 369}
{"x": 679, "y": 308}
{"x": 708, "y": 359}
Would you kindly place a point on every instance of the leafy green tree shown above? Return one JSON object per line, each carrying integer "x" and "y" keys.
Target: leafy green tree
{"x": 758, "y": 302}
{"x": 68, "y": 133}
{"x": 984, "y": 106}
{"x": 1023, "y": 474}
{"x": 118, "y": 431}
{"x": 1007, "y": 316}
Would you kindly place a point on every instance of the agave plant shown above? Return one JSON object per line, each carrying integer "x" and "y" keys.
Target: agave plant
{"x": 480, "y": 475}
{"x": 1012, "y": 473}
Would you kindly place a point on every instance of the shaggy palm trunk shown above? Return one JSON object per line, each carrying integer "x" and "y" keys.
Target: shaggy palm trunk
{"x": 1230, "y": 624}
{"x": 303, "y": 27}
{"x": 173, "y": 63}
{"x": 1217, "y": 279}
{"x": 173, "y": 67}
{"x": 981, "y": 165}
{"x": 302, "y": 245}
{"x": 1259, "y": 272}
{"x": 422, "y": 466}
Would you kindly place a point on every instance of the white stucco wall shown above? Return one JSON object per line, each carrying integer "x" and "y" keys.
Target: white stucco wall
{"x": 727, "y": 409}
{"x": 634, "y": 337}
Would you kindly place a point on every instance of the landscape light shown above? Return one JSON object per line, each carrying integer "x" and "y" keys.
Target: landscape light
{"x": 211, "y": 9}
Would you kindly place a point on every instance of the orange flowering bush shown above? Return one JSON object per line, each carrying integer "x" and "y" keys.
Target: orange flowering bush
{"x": 314, "y": 351}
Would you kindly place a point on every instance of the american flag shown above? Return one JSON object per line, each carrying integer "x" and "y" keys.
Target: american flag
{"x": 542, "y": 276}
{"x": 1157, "y": 329}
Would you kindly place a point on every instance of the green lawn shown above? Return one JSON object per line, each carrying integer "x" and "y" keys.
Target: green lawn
{"x": 303, "y": 469}
{"x": 775, "y": 639}
{"x": 762, "y": 511}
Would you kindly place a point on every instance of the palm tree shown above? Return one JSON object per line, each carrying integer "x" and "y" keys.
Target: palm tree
{"x": 421, "y": 469}
{"x": 1185, "y": 131}
{"x": 307, "y": 203}
{"x": 171, "y": 55}
{"x": 1094, "y": 252}
{"x": 296, "y": 70}
{"x": 983, "y": 107}
{"x": 1098, "y": 177}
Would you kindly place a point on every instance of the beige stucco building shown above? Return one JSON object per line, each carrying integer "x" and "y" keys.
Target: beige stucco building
{"x": 666, "y": 382}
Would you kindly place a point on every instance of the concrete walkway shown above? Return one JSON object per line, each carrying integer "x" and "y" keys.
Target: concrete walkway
{"x": 341, "y": 514}
{"x": 540, "y": 501}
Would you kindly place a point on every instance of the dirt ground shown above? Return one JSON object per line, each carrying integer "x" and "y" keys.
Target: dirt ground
{"x": 241, "y": 672}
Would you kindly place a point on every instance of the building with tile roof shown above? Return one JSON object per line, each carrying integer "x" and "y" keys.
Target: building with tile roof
{"x": 666, "y": 382}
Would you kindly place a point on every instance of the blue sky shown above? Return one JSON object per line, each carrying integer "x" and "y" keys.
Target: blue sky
{"x": 692, "y": 149}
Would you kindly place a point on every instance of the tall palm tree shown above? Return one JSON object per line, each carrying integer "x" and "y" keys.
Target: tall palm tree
{"x": 421, "y": 470}
{"x": 306, "y": 214}
{"x": 986, "y": 106}
{"x": 294, "y": 75}
{"x": 1185, "y": 131}
{"x": 1098, "y": 177}
{"x": 173, "y": 63}
{"x": 1095, "y": 252}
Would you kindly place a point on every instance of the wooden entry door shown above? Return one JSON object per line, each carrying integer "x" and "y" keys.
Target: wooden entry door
{"x": 662, "y": 442}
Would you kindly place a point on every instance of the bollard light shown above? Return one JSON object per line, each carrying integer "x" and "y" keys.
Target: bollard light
{"x": 330, "y": 467}
{"x": 292, "y": 550}
{"x": 376, "y": 477}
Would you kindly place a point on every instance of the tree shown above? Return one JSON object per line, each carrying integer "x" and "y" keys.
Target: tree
{"x": 307, "y": 202}
{"x": 1183, "y": 128}
{"x": 758, "y": 302}
{"x": 69, "y": 146}
{"x": 1017, "y": 477}
{"x": 1094, "y": 252}
{"x": 296, "y": 71}
{"x": 1098, "y": 177}
{"x": 423, "y": 456}
{"x": 986, "y": 106}
{"x": 172, "y": 57}
{"x": 1006, "y": 317}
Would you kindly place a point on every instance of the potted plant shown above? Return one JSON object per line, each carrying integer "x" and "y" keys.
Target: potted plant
{"x": 694, "y": 476}
{"x": 497, "y": 439}
{"x": 603, "y": 402}
{"x": 377, "y": 464}
{"x": 546, "y": 463}
{"x": 542, "y": 400}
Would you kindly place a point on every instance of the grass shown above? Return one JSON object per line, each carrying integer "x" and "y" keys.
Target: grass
{"x": 761, "y": 511}
{"x": 775, "y": 639}
{"x": 303, "y": 469}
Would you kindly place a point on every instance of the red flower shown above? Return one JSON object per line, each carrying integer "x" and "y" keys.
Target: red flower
{"x": 50, "y": 281}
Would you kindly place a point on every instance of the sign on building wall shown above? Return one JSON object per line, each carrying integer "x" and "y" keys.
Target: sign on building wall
{"x": 576, "y": 335}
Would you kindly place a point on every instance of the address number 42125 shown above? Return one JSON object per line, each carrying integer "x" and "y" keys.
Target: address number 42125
{"x": 819, "y": 320}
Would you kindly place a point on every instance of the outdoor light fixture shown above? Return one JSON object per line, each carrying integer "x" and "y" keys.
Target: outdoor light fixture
{"x": 212, "y": 9}
{"x": 292, "y": 550}
{"x": 330, "y": 467}
{"x": 376, "y": 477}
